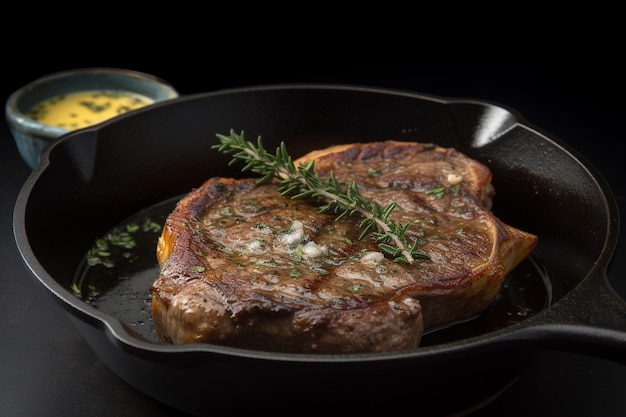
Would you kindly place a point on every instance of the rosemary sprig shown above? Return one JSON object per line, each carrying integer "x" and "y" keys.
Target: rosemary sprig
{"x": 341, "y": 198}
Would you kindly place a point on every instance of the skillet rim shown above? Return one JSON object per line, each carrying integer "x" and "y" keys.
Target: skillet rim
{"x": 123, "y": 337}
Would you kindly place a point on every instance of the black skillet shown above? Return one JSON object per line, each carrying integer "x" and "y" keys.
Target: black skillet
{"x": 91, "y": 180}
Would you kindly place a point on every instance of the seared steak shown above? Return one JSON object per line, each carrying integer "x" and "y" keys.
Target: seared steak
{"x": 243, "y": 266}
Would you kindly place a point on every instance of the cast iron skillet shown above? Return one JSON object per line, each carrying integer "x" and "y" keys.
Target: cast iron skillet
{"x": 91, "y": 180}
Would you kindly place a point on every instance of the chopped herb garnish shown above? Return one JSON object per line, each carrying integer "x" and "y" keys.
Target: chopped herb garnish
{"x": 437, "y": 192}
{"x": 102, "y": 250}
{"x": 318, "y": 269}
{"x": 151, "y": 226}
{"x": 356, "y": 287}
{"x": 75, "y": 288}
{"x": 294, "y": 273}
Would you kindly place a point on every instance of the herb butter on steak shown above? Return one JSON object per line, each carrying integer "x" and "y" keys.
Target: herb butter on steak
{"x": 243, "y": 266}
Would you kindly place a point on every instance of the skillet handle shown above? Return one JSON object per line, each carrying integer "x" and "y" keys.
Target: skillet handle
{"x": 590, "y": 320}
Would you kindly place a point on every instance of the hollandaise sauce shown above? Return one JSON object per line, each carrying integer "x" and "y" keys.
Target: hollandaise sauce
{"x": 85, "y": 108}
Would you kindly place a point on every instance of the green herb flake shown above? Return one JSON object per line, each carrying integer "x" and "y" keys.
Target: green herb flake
{"x": 101, "y": 244}
{"x": 262, "y": 228}
{"x": 374, "y": 172}
{"x": 319, "y": 270}
{"x": 75, "y": 289}
{"x": 356, "y": 288}
{"x": 294, "y": 273}
{"x": 95, "y": 108}
{"x": 437, "y": 192}
{"x": 151, "y": 226}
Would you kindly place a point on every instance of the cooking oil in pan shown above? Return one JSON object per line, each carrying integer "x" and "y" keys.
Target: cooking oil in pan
{"x": 116, "y": 274}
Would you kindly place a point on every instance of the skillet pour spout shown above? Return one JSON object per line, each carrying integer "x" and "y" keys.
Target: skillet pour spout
{"x": 102, "y": 175}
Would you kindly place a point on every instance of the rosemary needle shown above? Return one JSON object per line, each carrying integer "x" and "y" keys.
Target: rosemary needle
{"x": 343, "y": 199}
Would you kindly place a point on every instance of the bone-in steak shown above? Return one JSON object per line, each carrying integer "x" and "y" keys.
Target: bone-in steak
{"x": 243, "y": 266}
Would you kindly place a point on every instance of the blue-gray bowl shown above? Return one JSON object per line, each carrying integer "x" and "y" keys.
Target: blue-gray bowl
{"x": 32, "y": 136}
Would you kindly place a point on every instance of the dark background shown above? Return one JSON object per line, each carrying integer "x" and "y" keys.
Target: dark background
{"x": 46, "y": 369}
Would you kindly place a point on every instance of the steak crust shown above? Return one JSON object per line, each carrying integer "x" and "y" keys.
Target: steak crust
{"x": 243, "y": 266}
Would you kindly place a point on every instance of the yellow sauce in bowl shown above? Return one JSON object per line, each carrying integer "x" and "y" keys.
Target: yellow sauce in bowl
{"x": 85, "y": 108}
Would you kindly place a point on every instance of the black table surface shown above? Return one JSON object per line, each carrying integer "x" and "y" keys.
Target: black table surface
{"x": 47, "y": 369}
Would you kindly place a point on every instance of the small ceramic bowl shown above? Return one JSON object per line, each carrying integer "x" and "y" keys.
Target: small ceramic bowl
{"x": 61, "y": 102}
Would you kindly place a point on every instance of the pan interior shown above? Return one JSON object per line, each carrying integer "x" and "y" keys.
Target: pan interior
{"x": 116, "y": 273}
